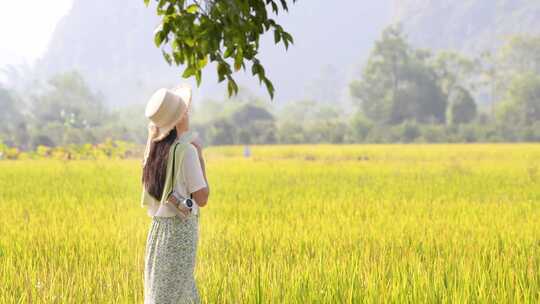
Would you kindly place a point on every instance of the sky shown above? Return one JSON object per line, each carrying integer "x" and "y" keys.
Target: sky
{"x": 26, "y": 27}
{"x": 324, "y": 56}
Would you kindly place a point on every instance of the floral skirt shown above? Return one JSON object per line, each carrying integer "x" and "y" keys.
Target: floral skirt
{"x": 171, "y": 250}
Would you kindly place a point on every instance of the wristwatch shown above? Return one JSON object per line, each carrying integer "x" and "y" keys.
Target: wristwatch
{"x": 182, "y": 203}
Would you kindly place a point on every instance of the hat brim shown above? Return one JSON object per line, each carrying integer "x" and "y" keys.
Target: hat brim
{"x": 184, "y": 92}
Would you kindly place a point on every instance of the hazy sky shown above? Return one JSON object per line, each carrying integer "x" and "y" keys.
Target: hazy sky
{"x": 26, "y": 27}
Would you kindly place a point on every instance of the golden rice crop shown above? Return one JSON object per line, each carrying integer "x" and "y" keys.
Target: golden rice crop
{"x": 292, "y": 224}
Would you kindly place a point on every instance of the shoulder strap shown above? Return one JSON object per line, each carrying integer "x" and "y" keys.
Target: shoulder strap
{"x": 173, "y": 173}
{"x": 173, "y": 167}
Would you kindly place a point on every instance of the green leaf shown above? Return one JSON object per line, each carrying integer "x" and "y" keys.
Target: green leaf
{"x": 158, "y": 38}
{"x": 277, "y": 36}
{"x": 231, "y": 29}
{"x": 167, "y": 57}
{"x": 286, "y": 36}
{"x": 228, "y": 52}
{"x": 198, "y": 77}
{"x": 192, "y": 9}
{"x": 203, "y": 62}
{"x": 255, "y": 68}
{"x": 274, "y": 7}
{"x": 222, "y": 71}
{"x": 178, "y": 58}
{"x": 189, "y": 71}
{"x": 190, "y": 42}
{"x": 232, "y": 87}
{"x": 238, "y": 60}
{"x": 237, "y": 66}
{"x": 170, "y": 9}
{"x": 269, "y": 87}
{"x": 284, "y": 4}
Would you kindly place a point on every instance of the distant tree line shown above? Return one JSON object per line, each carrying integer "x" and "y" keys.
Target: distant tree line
{"x": 59, "y": 112}
{"x": 404, "y": 94}
{"x": 407, "y": 94}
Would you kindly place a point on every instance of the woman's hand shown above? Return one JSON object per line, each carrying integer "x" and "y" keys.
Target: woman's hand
{"x": 177, "y": 205}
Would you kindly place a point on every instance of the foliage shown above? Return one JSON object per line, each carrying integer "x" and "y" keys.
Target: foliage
{"x": 405, "y": 92}
{"x": 67, "y": 112}
{"x": 440, "y": 97}
{"x": 462, "y": 106}
{"x": 522, "y": 104}
{"x": 224, "y": 32}
{"x": 398, "y": 84}
{"x": 13, "y": 126}
{"x": 237, "y": 122}
{"x": 455, "y": 71}
{"x": 109, "y": 149}
{"x": 360, "y": 126}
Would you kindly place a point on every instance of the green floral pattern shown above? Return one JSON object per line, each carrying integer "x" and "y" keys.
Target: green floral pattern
{"x": 170, "y": 257}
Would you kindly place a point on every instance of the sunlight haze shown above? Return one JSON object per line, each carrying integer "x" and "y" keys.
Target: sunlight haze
{"x": 26, "y": 27}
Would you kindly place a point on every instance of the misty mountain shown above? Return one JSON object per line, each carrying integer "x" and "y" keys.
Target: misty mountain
{"x": 111, "y": 44}
{"x": 469, "y": 25}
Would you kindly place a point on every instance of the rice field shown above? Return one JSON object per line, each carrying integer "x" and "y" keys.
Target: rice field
{"x": 291, "y": 224}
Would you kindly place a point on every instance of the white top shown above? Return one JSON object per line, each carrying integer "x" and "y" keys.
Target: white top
{"x": 188, "y": 179}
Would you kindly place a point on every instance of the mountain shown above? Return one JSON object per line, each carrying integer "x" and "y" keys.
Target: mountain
{"x": 111, "y": 44}
{"x": 469, "y": 25}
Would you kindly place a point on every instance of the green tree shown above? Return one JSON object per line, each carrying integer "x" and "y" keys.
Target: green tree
{"x": 521, "y": 106}
{"x": 256, "y": 125}
{"x": 224, "y": 32}
{"x": 519, "y": 55}
{"x": 462, "y": 107}
{"x": 419, "y": 97}
{"x": 318, "y": 122}
{"x": 408, "y": 131}
{"x": 290, "y": 132}
{"x": 398, "y": 84}
{"x": 237, "y": 122}
{"x": 515, "y": 84}
{"x": 360, "y": 126}
{"x": 458, "y": 77}
{"x": 13, "y": 124}
{"x": 455, "y": 71}
{"x": 222, "y": 132}
{"x": 68, "y": 112}
{"x": 377, "y": 91}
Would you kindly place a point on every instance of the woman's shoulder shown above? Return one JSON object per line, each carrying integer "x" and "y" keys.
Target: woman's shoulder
{"x": 184, "y": 150}
{"x": 191, "y": 151}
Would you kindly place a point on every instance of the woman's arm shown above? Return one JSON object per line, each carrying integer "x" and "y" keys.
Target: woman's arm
{"x": 201, "y": 195}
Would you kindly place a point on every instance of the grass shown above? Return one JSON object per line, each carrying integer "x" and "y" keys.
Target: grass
{"x": 293, "y": 224}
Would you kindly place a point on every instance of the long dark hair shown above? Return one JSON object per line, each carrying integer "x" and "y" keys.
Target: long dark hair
{"x": 155, "y": 169}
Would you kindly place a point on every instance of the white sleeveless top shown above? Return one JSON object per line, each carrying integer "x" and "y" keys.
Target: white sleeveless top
{"x": 188, "y": 179}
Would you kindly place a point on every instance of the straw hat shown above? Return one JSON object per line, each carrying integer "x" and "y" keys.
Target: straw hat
{"x": 165, "y": 109}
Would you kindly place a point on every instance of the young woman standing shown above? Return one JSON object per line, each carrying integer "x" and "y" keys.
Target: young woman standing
{"x": 174, "y": 188}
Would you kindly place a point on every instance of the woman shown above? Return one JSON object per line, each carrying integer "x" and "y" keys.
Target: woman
{"x": 173, "y": 170}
